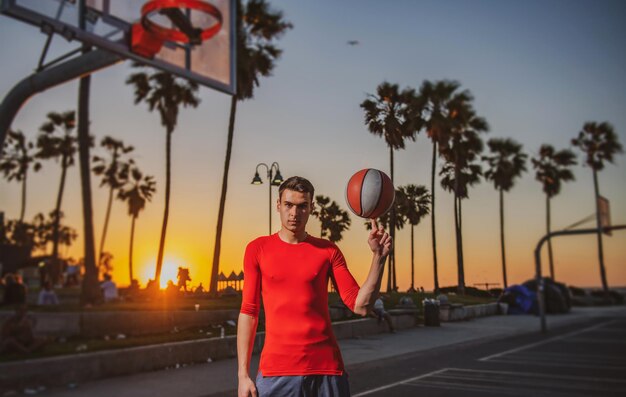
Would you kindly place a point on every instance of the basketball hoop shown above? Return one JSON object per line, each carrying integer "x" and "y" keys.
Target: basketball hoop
{"x": 147, "y": 36}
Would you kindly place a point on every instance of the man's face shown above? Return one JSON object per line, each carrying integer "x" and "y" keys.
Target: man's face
{"x": 294, "y": 208}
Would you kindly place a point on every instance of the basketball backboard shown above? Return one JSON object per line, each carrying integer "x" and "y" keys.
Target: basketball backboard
{"x": 109, "y": 26}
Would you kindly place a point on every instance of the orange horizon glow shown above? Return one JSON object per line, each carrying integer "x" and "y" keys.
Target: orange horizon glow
{"x": 169, "y": 271}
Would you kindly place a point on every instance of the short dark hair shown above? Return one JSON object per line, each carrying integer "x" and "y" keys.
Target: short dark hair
{"x": 298, "y": 184}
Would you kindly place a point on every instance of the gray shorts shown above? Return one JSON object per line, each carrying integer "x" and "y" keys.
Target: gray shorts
{"x": 303, "y": 386}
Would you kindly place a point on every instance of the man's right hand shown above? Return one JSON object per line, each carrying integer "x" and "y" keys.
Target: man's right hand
{"x": 246, "y": 388}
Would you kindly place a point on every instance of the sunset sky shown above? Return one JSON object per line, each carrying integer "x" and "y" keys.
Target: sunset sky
{"x": 537, "y": 69}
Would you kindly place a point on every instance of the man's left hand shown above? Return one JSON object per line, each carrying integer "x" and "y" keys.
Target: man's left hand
{"x": 378, "y": 240}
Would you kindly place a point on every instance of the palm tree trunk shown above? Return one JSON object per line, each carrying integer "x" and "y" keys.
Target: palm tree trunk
{"x": 460, "y": 286}
{"x": 130, "y": 249}
{"x": 391, "y": 274}
{"x": 550, "y": 258}
{"x": 23, "y": 209}
{"x": 412, "y": 260}
{"x": 166, "y": 211}
{"x": 432, "y": 217}
{"x": 105, "y": 227}
{"x": 90, "y": 292}
{"x": 502, "y": 238}
{"x": 457, "y": 230}
{"x": 605, "y": 285}
{"x": 220, "y": 216}
{"x": 55, "y": 269}
{"x": 461, "y": 258}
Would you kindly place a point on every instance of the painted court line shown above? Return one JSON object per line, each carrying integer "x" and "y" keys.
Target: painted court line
{"x": 390, "y": 385}
{"x": 539, "y": 375}
{"x": 569, "y": 356}
{"x": 560, "y": 364}
{"x": 543, "y": 342}
{"x": 467, "y": 387}
{"x": 453, "y": 379}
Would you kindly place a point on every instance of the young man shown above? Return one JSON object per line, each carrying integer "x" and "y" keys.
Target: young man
{"x": 291, "y": 270}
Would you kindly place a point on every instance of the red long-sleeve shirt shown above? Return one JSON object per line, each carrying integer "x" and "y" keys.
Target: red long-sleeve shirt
{"x": 293, "y": 279}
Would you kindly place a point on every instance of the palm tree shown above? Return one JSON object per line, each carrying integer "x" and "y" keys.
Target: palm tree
{"x": 333, "y": 220}
{"x": 41, "y": 233}
{"x": 67, "y": 234}
{"x": 17, "y": 158}
{"x": 165, "y": 93}
{"x": 19, "y": 233}
{"x": 461, "y": 150}
{"x": 398, "y": 221}
{"x": 432, "y": 104}
{"x": 58, "y": 141}
{"x": 552, "y": 170}
{"x": 413, "y": 208}
{"x": 599, "y": 142}
{"x": 137, "y": 191}
{"x": 506, "y": 163}
{"x": 257, "y": 29}
{"x": 390, "y": 114}
{"x": 114, "y": 174}
{"x": 458, "y": 181}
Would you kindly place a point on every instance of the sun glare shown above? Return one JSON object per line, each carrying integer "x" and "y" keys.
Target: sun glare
{"x": 168, "y": 273}
{"x": 169, "y": 270}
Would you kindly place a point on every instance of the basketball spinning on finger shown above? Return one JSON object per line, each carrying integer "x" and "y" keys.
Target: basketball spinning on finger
{"x": 370, "y": 193}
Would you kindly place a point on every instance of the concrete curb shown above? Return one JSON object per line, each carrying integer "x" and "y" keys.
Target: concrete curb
{"x": 452, "y": 312}
{"x": 97, "y": 324}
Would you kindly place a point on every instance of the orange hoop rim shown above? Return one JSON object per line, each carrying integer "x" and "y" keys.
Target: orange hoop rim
{"x": 169, "y": 34}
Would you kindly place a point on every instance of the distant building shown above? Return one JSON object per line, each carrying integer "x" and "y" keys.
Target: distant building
{"x": 234, "y": 281}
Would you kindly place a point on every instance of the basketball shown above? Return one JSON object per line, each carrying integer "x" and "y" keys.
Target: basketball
{"x": 370, "y": 193}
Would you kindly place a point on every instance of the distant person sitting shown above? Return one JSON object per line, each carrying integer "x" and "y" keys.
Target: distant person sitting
{"x": 199, "y": 289}
{"x": 131, "y": 293}
{"x": 134, "y": 287}
{"x": 47, "y": 296}
{"x": 381, "y": 314}
{"x": 71, "y": 275}
{"x": 171, "y": 290}
{"x": 14, "y": 290}
{"x": 109, "y": 289}
{"x": 17, "y": 333}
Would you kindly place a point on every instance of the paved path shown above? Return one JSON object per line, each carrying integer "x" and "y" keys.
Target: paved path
{"x": 219, "y": 378}
{"x": 587, "y": 359}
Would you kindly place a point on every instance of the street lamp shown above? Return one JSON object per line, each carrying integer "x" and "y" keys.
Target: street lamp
{"x": 273, "y": 179}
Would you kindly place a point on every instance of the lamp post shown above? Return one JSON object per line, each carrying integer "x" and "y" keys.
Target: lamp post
{"x": 274, "y": 179}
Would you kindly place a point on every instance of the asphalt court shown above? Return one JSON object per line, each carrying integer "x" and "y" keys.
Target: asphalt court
{"x": 590, "y": 361}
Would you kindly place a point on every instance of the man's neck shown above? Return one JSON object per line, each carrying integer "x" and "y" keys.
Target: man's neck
{"x": 292, "y": 238}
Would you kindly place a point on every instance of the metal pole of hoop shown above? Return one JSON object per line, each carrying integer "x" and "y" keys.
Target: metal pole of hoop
{"x": 538, "y": 276}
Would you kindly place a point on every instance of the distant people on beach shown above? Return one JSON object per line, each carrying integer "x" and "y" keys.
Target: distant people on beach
{"x": 381, "y": 314}
{"x": 18, "y": 333}
{"x": 199, "y": 289}
{"x": 14, "y": 290}
{"x": 171, "y": 290}
{"x": 134, "y": 287}
{"x": 109, "y": 289}
{"x": 183, "y": 278}
{"x": 47, "y": 296}
{"x": 71, "y": 275}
